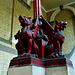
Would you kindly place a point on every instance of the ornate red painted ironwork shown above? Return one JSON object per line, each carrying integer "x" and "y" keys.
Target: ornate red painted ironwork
{"x": 39, "y": 43}
{"x": 38, "y": 38}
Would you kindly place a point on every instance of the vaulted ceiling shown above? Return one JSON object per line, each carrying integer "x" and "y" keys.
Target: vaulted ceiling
{"x": 51, "y": 4}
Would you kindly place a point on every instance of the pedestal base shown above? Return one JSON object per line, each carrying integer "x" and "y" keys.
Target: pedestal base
{"x": 36, "y": 70}
{"x": 46, "y": 62}
{"x": 35, "y": 66}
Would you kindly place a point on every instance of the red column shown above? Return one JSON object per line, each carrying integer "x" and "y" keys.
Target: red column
{"x": 37, "y": 8}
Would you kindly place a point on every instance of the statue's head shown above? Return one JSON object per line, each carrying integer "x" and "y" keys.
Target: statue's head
{"x": 25, "y": 21}
{"x": 64, "y": 25}
{"x": 61, "y": 25}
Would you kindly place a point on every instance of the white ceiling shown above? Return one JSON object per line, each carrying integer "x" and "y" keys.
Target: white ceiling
{"x": 51, "y": 4}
